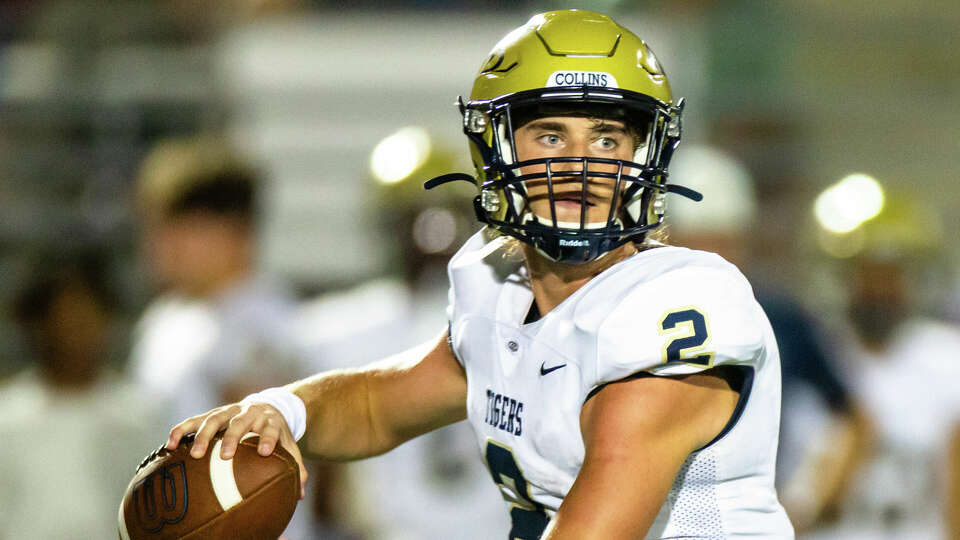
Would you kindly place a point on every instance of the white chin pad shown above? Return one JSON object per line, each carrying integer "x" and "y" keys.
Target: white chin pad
{"x": 639, "y": 156}
{"x": 633, "y": 206}
{"x": 506, "y": 149}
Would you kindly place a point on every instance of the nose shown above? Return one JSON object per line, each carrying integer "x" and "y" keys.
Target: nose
{"x": 575, "y": 149}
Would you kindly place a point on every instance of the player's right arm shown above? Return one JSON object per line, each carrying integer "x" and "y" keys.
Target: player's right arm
{"x": 351, "y": 414}
{"x": 364, "y": 413}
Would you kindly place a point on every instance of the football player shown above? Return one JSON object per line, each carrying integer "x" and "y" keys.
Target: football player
{"x": 618, "y": 387}
{"x": 906, "y": 485}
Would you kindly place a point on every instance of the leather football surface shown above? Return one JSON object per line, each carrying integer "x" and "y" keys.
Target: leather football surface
{"x": 175, "y": 496}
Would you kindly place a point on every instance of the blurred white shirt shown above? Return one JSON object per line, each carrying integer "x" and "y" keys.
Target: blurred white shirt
{"x": 188, "y": 352}
{"x": 67, "y": 457}
{"x": 909, "y": 393}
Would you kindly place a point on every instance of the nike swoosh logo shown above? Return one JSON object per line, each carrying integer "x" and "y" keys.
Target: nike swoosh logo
{"x": 544, "y": 371}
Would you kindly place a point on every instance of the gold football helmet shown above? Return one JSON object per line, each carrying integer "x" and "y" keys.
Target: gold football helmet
{"x": 571, "y": 63}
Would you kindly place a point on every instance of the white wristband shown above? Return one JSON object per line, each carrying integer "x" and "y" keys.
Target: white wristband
{"x": 289, "y": 404}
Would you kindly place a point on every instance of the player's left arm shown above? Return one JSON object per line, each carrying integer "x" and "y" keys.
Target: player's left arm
{"x": 637, "y": 433}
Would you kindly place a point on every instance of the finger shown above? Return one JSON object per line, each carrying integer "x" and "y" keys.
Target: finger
{"x": 209, "y": 427}
{"x": 303, "y": 472}
{"x": 290, "y": 446}
{"x": 239, "y": 426}
{"x": 270, "y": 432}
{"x": 303, "y": 478}
{"x": 178, "y": 431}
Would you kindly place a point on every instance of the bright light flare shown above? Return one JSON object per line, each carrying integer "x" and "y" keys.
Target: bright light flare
{"x": 844, "y": 206}
{"x": 399, "y": 155}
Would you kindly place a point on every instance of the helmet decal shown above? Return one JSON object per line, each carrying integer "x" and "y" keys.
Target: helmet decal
{"x": 581, "y": 78}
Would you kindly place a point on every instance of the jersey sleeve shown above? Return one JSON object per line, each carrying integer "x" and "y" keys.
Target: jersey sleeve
{"x": 476, "y": 272}
{"x": 685, "y": 321}
{"x": 451, "y": 299}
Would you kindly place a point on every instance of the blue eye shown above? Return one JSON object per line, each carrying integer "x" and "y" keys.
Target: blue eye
{"x": 607, "y": 143}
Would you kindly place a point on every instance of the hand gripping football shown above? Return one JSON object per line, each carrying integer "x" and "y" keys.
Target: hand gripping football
{"x": 173, "y": 495}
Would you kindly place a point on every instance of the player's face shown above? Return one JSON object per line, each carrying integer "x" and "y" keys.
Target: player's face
{"x": 569, "y": 136}
{"x": 195, "y": 252}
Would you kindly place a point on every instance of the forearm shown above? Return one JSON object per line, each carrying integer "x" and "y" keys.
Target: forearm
{"x": 339, "y": 423}
{"x": 352, "y": 414}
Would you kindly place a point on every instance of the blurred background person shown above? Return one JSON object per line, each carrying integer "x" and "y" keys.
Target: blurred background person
{"x": 74, "y": 429}
{"x": 218, "y": 330}
{"x": 822, "y": 434}
{"x": 902, "y": 363}
{"x": 433, "y": 486}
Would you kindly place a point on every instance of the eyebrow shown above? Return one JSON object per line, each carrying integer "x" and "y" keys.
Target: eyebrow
{"x": 546, "y": 125}
{"x": 601, "y": 127}
{"x": 604, "y": 127}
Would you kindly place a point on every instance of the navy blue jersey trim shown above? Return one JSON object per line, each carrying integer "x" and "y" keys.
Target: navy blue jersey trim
{"x": 744, "y": 387}
{"x": 533, "y": 314}
{"x": 740, "y": 379}
{"x": 604, "y": 385}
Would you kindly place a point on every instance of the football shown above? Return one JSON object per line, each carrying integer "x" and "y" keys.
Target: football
{"x": 173, "y": 495}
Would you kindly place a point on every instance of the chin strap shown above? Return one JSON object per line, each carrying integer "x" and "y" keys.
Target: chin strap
{"x": 447, "y": 178}
{"x": 684, "y": 191}
{"x": 478, "y": 209}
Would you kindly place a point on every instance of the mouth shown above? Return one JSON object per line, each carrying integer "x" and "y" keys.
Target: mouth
{"x": 571, "y": 200}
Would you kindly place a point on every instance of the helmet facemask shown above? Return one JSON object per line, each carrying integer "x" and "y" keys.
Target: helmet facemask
{"x": 510, "y": 187}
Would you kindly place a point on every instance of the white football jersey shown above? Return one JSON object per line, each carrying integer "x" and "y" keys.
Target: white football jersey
{"x": 664, "y": 311}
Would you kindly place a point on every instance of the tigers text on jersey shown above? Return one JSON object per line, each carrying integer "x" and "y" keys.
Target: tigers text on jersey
{"x": 665, "y": 311}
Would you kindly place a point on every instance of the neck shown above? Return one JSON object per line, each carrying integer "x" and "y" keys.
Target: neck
{"x": 553, "y": 282}
{"x": 71, "y": 378}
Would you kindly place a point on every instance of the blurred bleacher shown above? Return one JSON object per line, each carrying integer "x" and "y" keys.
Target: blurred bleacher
{"x": 804, "y": 92}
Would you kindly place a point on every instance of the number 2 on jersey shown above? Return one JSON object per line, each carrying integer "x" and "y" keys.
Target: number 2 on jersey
{"x": 529, "y": 519}
{"x": 692, "y": 336}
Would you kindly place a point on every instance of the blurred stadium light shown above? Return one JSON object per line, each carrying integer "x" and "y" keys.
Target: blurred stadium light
{"x": 845, "y": 205}
{"x": 396, "y": 157}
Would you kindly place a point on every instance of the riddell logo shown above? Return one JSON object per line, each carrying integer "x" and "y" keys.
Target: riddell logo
{"x": 573, "y": 243}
